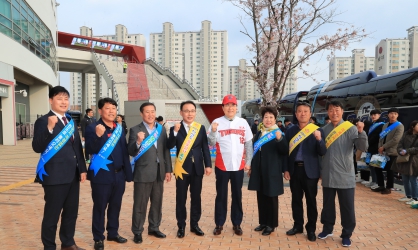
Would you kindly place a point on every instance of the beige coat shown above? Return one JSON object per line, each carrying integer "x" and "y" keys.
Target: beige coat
{"x": 411, "y": 167}
{"x": 392, "y": 139}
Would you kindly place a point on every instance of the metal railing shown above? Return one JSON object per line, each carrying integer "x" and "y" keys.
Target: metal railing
{"x": 114, "y": 91}
{"x": 151, "y": 61}
{"x": 162, "y": 84}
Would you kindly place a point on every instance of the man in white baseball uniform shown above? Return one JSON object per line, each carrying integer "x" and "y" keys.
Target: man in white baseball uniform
{"x": 233, "y": 139}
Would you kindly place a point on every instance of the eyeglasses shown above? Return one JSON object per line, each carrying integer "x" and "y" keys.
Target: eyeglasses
{"x": 189, "y": 111}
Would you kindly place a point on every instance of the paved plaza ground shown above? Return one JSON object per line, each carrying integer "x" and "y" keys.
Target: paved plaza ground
{"x": 382, "y": 221}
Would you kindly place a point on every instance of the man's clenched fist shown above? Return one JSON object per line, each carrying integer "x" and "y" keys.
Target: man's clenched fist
{"x": 100, "y": 130}
{"x": 140, "y": 137}
{"x": 317, "y": 135}
{"x": 177, "y": 127}
{"x": 214, "y": 127}
{"x": 52, "y": 121}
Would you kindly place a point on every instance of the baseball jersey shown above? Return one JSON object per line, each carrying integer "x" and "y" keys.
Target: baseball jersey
{"x": 230, "y": 140}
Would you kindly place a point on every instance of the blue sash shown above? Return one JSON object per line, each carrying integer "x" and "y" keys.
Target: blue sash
{"x": 385, "y": 132}
{"x": 148, "y": 143}
{"x": 374, "y": 126}
{"x": 100, "y": 161}
{"x": 264, "y": 139}
{"x": 54, "y": 146}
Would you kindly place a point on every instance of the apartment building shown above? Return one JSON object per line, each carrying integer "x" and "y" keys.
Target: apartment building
{"x": 121, "y": 35}
{"x": 392, "y": 55}
{"x": 340, "y": 67}
{"x": 201, "y": 57}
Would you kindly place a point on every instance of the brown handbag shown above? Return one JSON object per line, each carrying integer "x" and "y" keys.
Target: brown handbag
{"x": 405, "y": 158}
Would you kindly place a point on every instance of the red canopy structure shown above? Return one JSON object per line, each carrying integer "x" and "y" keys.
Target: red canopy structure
{"x": 131, "y": 53}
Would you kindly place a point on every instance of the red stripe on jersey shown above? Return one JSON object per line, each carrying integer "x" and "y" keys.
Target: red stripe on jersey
{"x": 219, "y": 162}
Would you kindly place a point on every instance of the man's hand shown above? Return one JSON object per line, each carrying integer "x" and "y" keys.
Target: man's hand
{"x": 140, "y": 137}
{"x": 286, "y": 173}
{"x": 317, "y": 135}
{"x": 168, "y": 177}
{"x": 208, "y": 171}
{"x": 100, "y": 130}
{"x": 83, "y": 177}
{"x": 177, "y": 127}
{"x": 52, "y": 121}
{"x": 249, "y": 173}
{"x": 247, "y": 168}
{"x": 278, "y": 135}
{"x": 360, "y": 126}
{"x": 381, "y": 149}
{"x": 214, "y": 126}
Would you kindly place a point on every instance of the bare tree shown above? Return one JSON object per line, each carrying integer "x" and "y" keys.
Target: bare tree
{"x": 279, "y": 27}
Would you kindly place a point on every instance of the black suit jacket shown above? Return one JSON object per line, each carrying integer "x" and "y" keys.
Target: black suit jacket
{"x": 200, "y": 149}
{"x": 312, "y": 152}
{"x": 93, "y": 146}
{"x": 67, "y": 162}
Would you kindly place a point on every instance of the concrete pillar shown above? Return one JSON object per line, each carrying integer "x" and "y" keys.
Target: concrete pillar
{"x": 8, "y": 116}
{"x": 97, "y": 93}
{"x": 84, "y": 90}
{"x": 38, "y": 100}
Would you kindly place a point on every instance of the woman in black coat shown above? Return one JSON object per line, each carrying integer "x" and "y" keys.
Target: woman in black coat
{"x": 267, "y": 167}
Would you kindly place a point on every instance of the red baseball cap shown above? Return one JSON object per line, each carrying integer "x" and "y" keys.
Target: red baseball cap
{"x": 229, "y": 99}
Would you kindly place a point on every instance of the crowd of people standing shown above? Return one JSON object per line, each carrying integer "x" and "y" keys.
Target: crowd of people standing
{"x": 300, "y": 152}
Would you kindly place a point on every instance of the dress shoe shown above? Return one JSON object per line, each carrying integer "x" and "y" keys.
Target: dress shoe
{"x": 197, "y": 231}
{"x": 118, "y": 239}
{"x": 73, "y": 247}
{"x": 98, "y": 245}
{"x": 311, "y": 236}
{"x": 218, "y": 230}
{"x": 386, "y": 191}
{"x": 260, "y": 228}
{"x": 294, "y": 231}
{"x": 237, "y": 230}
{"x": 157, "y": 234}
{"x": 138, "y": 238}
{"x": 379, "y": 189}
{"x": 267, "y": 231}
{"x": 180, "y": 232}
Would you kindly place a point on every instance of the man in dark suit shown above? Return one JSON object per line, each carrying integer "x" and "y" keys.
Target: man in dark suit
{"x": 193, "y": 165}
{"x": 64, "y": 170}
{"x": 304, "y": 170}
{"x": 108, "y": 182}
{"x": 149, "y": 173}
{"x": 87, "y": 120}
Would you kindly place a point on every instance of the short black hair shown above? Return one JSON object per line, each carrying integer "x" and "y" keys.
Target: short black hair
{"x": 58, "y": 90}
{"x": 335, "y": 104}
{"x": 88, "y": 111}
{"x": 271, "y": 110}
{"x": 314, "y": 118}
{"x": 286, "y": 120}
{"x": 186, "y": 102}
{"x": 146, "y": 104}
{"x": 375, "y": 111}
{"x": 393, "y": 110}
{"x": 303, "y": 103}
{"x": 279, "y": 121}
{"x": 159, "y": 119}
{"x": 256, "y": 120}
{"x": 121, "y": 116}
{"x": 105, "y": 100}
{"x": 327, "y": 118}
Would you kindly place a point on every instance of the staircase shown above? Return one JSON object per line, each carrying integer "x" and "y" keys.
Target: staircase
{"x": 171, "y": 77}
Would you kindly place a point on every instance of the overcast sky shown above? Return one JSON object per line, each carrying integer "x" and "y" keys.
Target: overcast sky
{"x": 382, "y": 18}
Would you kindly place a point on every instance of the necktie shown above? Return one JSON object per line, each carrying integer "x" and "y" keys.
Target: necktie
{"x": 64, "y": 119}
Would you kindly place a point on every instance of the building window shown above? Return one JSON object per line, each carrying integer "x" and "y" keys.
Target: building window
{"x": 21, "y": 23}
